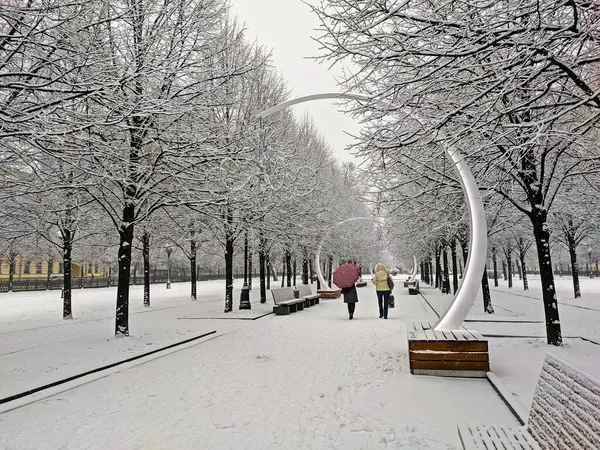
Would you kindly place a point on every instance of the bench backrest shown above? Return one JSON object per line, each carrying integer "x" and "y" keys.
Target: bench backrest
{"x": 304, "y": 289}
{"x": 565, "y": 410}
{"x": 283, "y": 294}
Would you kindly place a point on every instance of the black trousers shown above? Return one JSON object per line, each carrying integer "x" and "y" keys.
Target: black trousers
{"x": 351, "y": 307}
{"x": 383, "y": 297}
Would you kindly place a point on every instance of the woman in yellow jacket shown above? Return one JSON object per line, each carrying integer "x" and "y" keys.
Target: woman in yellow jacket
{"x": 380, "y": 280}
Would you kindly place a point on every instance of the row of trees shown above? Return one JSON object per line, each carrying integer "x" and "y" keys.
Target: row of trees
{"x": 514, "y": 85}
{"x": 131, "y": 124}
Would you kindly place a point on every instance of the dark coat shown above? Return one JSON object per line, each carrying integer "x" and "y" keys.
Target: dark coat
{"x": 350, "y": 294}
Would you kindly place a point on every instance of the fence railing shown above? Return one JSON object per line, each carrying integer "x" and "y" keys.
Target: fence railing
{"x": 42, "y": 284}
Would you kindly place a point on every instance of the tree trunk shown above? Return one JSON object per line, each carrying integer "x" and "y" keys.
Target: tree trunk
{"x": 146, "y": 258}
{"x": 495, "y": 263}
{"x": 310, "y": 270}
{"x": 49, "y": 272}
{"x": 67, "y": 246}
{"x": 438, "y": 268}
{"x": 294, "y": 270}
{"x": 485, "y": 290}
{"x": 454, "y": 267}
{"x": 575, "y": 266}
{"x": 246, "y": 258}
{"x": 542, "y": 241}
{"x": 11, "y": 270}
{"x": 283, "y": 273}
{"x": 510, "y": 272}
{"x": 504, "y": 270}
{"x": 229, "y": 241}
{"x": 288, "y": 267}
{"x": 523, "y": 270}
{"x": 125, "y": 243}
{"x": 250, "y": 268}
{"x": 269, "y": 270}
{"x": 446, "y": 287}
{"x": 193, "y": 267}
{"x": 261, "y": 269}
{"x": 330, "y": 271}
{"x": 304, "y": 266}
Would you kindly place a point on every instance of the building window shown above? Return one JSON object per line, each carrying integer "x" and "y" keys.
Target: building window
{"x": 27, "y": 267}
{"x": 38, "y": 267}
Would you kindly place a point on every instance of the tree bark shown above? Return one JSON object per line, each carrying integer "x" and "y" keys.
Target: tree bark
{"x": 575, "y": 266}
{"x": 250, "y": 268}
{"x": 495, "y": 263}
{"x": 509, "y": 267}
{"x": 229, "y": 241}
{"x": 438, "y": 267}
{"x": 446, "y": 286}
{"x": 454, "y": 268}
{"x": 125, "y": 243}
{"x": 485, "y": 290}
{"x": 294, "y": 270}
{"x": 542, "y": 241}
{"x": 146, "y": 258}
{"x": 288, "y": 267}
{"x": 330, "y": 271}
{"x": 193, "y": 266}
{"x": 261, "y": 268}
{"x": 304, "y": 266}
{"x": 523, "y": 267}
{"x": 67, "y": 247}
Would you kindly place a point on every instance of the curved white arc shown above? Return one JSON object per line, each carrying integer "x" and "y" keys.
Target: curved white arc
{"x": 414, "y": 270}
{"x": 324, "y": 285}
{"x": 309, "y": 98}
{"x": 468, "y": 289}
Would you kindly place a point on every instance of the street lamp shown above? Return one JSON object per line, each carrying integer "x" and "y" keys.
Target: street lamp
{"x": 169, "y": 249}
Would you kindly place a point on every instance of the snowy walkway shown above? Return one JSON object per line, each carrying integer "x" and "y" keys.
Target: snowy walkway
{"x": 311, "y": 380}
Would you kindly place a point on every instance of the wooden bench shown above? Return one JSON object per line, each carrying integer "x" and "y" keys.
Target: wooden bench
{"x": 564, "y": 414}
{"x": 457, "y": 353}
{"x": 287, "y": 302}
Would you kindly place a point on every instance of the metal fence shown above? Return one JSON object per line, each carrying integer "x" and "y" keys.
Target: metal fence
{"x": 42, "y": 284}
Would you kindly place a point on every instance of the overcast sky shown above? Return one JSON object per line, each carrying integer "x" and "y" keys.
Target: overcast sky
{"x": 286, "y": 27}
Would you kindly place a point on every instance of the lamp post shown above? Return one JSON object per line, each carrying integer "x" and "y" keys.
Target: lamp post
{"x": 169, "y": 249}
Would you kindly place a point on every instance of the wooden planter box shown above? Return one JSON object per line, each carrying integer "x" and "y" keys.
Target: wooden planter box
{"x": 330, "y": 294}
{"x": 456, "y": 353}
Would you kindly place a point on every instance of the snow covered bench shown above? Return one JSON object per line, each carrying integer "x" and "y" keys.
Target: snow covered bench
{"x": 310, "y": 299}
{"x": 286, "y": 301}
{"x": 565, "y": 414}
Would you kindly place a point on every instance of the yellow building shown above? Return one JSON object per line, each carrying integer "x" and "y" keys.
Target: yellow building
{"x": 26, "y": 268}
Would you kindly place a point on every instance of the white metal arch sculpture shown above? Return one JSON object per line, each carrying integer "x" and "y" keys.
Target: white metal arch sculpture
{"x": 324, "y": 284}
{"x": 468, "y": 289}
{"x": 414, "y": 269}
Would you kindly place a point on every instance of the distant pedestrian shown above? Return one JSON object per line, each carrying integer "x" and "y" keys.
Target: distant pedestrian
{"x": 383, "y": 289}
{"x": 351, "y": 298}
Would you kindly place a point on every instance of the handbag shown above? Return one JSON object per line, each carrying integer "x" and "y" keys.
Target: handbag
{"x": 391, "y": 303}
{"x": 390, "y": 282}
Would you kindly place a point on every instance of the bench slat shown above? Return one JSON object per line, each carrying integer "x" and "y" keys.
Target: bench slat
{"x": 448, "y": 356}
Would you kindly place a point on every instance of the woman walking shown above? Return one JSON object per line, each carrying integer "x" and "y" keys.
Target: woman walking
{"x": 380, "y": 280}
{"x": 351, "y": 298}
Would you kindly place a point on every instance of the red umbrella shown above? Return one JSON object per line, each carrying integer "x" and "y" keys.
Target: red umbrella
{"x": 346, "y": 275}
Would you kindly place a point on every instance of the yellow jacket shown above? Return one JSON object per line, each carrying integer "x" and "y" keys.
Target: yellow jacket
{"x": 380, "y": 278}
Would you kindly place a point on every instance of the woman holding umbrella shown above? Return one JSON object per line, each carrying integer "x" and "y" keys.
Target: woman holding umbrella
{"x": 344, "y": 277}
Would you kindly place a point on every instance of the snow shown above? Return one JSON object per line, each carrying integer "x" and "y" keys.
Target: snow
{"x": 310, "y": 380}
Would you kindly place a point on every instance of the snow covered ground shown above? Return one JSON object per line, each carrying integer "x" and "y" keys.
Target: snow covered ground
{"x": 311, "y": 380}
